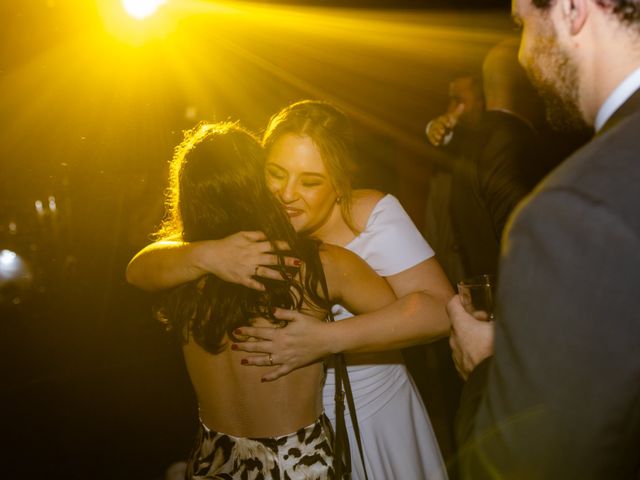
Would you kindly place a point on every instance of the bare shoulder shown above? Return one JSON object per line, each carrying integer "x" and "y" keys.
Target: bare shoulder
{"x": 362, "y": 204}
{"x": 352, "y": 282}
{"x": 335, "y": 258}
{"x": 340, "y": 265}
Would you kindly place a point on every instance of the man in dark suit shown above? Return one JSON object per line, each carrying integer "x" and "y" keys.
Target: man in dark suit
{"x": 560, "y": 396}
{"x": 449, "y": 135}
{"x": 504, "y": 161}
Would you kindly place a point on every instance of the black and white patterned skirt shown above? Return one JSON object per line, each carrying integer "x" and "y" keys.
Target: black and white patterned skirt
{"x": 305, "y": 455}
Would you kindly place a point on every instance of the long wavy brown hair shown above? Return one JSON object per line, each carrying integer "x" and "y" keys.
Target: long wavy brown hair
{"x": 217, "y": 188}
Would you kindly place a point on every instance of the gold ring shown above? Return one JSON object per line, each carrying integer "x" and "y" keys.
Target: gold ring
{"x": 270, "y": 360}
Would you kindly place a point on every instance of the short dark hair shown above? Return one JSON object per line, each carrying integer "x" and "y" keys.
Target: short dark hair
{"x": 627, "y": 11}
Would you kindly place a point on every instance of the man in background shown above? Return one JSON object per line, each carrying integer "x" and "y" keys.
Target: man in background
{"x": 450, "y": 133}
{"x": 560, "y": 397}
{"x": 506, "y": 158}
{"x": 466, "y": 104}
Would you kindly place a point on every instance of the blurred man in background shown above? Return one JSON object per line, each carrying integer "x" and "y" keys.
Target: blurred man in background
{"x": 450, "y": 133}
{"x": 505, "y": 158}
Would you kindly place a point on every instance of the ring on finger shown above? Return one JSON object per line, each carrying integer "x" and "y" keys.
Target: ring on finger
{"x": 270, "y": 360}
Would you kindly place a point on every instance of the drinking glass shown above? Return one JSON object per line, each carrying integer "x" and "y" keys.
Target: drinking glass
{"x": 478, "y": 293}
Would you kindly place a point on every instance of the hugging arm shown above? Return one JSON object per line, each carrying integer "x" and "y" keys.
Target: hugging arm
{"x": 238, "y": 258}
{"x": 383, "y": 323}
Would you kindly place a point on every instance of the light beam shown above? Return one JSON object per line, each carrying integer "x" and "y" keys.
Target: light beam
{"x": 141, "y": 9}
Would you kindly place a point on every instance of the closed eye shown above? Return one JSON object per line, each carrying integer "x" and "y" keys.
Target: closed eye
{"x": 277, "y": 174}
{"x": 311, "y": 184}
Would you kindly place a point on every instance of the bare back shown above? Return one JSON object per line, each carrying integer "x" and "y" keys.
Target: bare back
{"x": 233, "y": 400}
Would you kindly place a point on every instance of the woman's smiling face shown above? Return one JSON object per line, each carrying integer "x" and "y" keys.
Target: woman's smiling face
{"x": 298, "y": 177}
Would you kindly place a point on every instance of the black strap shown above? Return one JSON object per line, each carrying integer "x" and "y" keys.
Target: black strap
{"x": 342, "y": 389}
{"x": 341, "y": 450}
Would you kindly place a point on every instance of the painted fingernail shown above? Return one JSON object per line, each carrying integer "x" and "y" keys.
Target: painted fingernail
{"x": 244, "y": 361}
{"x": 297, "y": 262}
{"x": 234, "y": 346}
{"x": 237, "y": 331}
{"x": 273, "y": 310}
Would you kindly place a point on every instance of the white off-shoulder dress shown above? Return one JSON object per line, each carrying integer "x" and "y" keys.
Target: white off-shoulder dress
{"x": 397, "y": 437}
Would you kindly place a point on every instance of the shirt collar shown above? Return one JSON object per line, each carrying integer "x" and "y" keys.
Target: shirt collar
{"x": 620, "y": 95}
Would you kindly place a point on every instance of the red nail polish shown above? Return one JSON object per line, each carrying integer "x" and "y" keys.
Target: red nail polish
{"x": 244, "y": 361}
{"x": 234, "y": 346}
{"x": 237, "y": 331}
{"x": 297, "y": 262}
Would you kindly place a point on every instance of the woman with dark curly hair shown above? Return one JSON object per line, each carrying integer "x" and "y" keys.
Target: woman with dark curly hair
{"x": 249, "y": 428}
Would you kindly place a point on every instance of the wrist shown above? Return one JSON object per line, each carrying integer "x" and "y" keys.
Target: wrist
{"x": 332, "y": 338}
{"x": 199, "y": 256}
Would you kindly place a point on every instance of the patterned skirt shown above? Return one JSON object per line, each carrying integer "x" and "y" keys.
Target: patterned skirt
{"x": 304, "y": 455}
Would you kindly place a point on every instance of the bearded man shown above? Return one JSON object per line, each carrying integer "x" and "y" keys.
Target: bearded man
{"x": 559, "y": 395}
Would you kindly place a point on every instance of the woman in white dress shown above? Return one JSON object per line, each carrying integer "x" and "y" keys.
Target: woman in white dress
{"x": 308, "y": 167}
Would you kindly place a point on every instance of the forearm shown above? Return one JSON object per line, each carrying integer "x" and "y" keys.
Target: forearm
{"x": 165, "y": 264}
{"x": 416, "y": 318}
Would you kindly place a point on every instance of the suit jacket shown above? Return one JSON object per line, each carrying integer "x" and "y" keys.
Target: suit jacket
{"x": 561, "y": 397}
{"x": 505, "y": 160}
{"x": 438, "y": 229}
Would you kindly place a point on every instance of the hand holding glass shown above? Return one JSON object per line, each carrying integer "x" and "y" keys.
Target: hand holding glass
{"x": 477, "y": 294}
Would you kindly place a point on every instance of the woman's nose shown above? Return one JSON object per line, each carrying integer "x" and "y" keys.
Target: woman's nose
{"x": 288, "y": 192}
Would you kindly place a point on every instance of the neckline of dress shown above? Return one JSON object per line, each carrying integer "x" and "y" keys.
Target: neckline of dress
{"x": 377, "y": 205}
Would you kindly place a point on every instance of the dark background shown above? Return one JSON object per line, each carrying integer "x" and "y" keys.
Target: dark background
{"x": 91, "y": 387}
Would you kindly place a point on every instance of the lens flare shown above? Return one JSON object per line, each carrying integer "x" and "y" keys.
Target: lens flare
{"x": 142, "y": 8}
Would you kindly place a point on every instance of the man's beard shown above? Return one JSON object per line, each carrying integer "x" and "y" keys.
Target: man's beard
{"x": 560, "y": 91}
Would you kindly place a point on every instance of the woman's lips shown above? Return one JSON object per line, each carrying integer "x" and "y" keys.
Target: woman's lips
{"x": 293, "y": 212}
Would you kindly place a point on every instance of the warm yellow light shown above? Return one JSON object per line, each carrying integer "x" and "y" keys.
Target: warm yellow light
{"x": 141, "y": 8}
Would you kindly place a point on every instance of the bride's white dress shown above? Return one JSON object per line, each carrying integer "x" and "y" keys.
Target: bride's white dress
{"x": 397, "y": 437}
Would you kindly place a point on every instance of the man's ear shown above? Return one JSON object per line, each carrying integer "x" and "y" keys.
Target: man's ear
{"x": 575, "y": 13}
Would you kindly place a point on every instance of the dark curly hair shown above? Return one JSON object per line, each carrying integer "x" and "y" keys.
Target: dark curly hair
{"x": 627, "y": 11}
{"x": 217, "y": 188}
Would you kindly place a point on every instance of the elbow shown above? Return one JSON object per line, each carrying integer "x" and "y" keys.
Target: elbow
{"x": 130, "y": 275}
{"x": 134, "y": 277}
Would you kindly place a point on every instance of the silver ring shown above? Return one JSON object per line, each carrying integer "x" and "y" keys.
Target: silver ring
{"x": 270, "y": 360}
